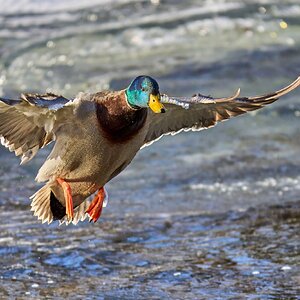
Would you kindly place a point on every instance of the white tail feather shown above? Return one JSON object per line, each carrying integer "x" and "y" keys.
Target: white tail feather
{"x": 40, "y": 204}
{"x": 79, "y": 214}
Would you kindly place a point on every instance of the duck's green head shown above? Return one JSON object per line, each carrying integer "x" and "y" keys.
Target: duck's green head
{"x": 144, "y": 92}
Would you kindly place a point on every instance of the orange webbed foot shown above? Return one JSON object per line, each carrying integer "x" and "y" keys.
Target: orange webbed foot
{"x": 95, "y": 209}
{"x": 68, "y": 198}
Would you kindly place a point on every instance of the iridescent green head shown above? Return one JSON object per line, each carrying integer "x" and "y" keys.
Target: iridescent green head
{"x": 144, "y": 92}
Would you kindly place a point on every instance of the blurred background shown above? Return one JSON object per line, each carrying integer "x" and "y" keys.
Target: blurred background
{"x": 207, "y": 215}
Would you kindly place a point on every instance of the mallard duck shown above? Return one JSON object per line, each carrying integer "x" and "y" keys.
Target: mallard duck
{"x": 97, "y": 136}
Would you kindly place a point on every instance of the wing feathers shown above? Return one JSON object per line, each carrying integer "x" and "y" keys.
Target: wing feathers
{"x": 26, "y": 125}
{"x": 274, "y": 96}
{"x": 199, "y": 111}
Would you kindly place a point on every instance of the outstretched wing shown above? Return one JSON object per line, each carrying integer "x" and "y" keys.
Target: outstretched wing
{"x": 26, "y": 125}
{"x": 200, "y": 112}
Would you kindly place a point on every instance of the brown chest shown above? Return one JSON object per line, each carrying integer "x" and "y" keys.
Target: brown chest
{"x": 120, "y": 125}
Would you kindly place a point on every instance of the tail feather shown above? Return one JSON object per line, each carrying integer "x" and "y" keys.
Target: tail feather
{"x": 40, "y": 204}
{"x": 79, "y": 214}
{"x": 47, "y": 208}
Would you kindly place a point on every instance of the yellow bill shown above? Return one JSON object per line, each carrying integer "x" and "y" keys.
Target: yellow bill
{"x": 155, "y": 104}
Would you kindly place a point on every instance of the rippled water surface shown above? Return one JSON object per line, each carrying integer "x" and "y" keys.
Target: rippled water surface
{"x": 209, "y": 215}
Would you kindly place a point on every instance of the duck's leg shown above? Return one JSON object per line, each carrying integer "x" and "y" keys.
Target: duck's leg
{"x": 95, "y": 208}
{"x": 68, "y": 198}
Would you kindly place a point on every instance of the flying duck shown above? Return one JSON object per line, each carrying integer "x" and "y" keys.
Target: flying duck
{"x": 97, "y": 135}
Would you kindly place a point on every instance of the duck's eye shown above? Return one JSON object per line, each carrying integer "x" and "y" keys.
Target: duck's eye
{"x": 143, "y": 89}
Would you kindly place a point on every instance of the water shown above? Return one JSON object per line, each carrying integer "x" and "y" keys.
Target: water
{"x": 209, "y": 215}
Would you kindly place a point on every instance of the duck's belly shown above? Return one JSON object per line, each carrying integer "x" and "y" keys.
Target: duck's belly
{"x": 87, "y": 164}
